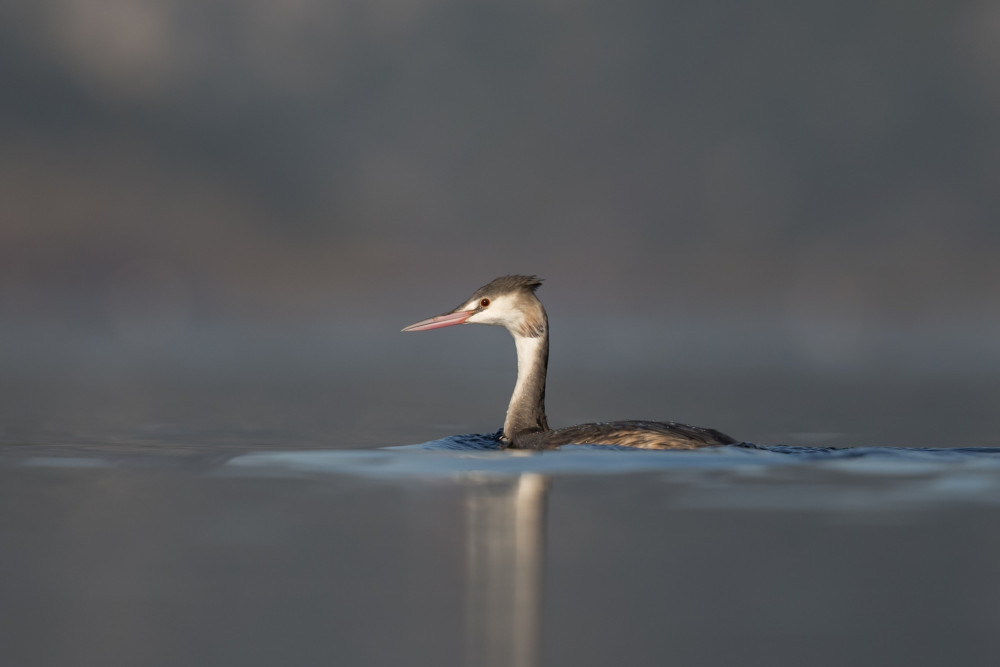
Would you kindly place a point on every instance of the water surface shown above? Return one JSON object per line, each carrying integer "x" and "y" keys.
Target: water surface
{"x": 452, "y": 552}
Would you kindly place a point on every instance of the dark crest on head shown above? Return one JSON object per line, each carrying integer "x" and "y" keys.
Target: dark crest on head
{"x": 508, "y": 284}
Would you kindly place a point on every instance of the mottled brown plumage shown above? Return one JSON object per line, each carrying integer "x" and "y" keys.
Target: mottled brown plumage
{"x": 510, "y": 302}
{"x": 634, "y": 433}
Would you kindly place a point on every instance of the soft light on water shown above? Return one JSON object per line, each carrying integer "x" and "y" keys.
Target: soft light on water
{"x": 263, "y": 502}
{"x": 452, "y": 552}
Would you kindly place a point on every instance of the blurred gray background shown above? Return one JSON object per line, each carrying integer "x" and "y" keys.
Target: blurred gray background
{"x": 779, "y": 219}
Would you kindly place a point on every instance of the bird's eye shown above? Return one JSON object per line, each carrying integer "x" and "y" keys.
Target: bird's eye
{"x": 484, "y": 303}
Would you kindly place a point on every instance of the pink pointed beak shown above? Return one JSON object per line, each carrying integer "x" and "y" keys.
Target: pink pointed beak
{"x": 446, "y": 320}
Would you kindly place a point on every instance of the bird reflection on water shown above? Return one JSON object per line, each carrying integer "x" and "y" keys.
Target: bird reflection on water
{"x": 277, "y": 556}
{"x": 505, "y": 551}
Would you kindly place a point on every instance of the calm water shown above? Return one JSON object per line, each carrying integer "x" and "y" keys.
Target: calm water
{"x": 253, "y": 504}
{"x": 452, "y": 553}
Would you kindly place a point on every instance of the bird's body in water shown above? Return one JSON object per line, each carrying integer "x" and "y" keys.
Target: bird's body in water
{"x": 510, "y": 302}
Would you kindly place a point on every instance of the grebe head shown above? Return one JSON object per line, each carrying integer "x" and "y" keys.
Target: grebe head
{"x": 509, "y": 302}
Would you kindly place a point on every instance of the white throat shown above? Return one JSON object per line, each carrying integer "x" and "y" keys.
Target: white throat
{"x": 532, "y": 352}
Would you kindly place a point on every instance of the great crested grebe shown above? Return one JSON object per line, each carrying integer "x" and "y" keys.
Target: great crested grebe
{"x": 510, "y": 302}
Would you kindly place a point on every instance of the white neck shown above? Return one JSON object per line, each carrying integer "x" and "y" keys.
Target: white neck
{"x": 526, "y": 411}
